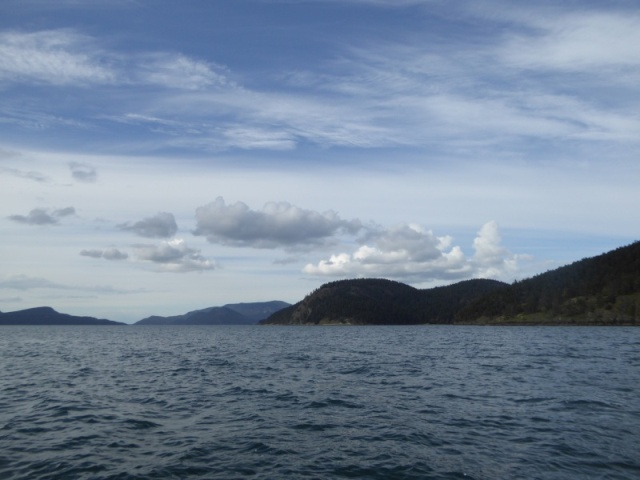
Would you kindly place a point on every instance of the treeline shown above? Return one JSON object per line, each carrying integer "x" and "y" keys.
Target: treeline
{"x": 602, "y": 289}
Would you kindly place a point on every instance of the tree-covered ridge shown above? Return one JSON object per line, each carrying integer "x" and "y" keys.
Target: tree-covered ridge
{"x": 599, "y": 290}
{"x": 381, "y": 302}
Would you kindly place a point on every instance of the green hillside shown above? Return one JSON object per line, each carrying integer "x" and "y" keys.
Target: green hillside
{"x": 599, "y": 290}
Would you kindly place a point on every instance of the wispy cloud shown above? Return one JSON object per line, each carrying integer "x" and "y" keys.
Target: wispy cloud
{"x": 42, "y": 216}
{"x": 107, "y": 254}
{"x": 29, "y": 175}
{"x": 58, "y": 57}
{"x": 180, "y": 72}
{"x": 576, "y": 41}
{"x": 412, "y": 91}
{"x": 67, "y": 57}
{"x": 26, "y": 283}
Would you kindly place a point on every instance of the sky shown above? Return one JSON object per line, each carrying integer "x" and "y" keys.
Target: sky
{"x": 158, "y": 157}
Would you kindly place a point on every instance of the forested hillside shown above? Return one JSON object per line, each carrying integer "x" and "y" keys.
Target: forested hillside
{"x": 598, "y": 290}
{"x": 381, "y": 302}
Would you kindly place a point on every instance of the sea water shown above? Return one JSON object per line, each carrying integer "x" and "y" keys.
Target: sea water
{"x": 427, "y": 402}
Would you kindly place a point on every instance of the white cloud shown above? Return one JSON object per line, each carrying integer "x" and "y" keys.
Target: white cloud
{"x": 576, "y": 42}
{"x": 180, "y": 72}
{"x": 66, "y": 57}
{"x": 174, "y": 256}
{"x": 491, "y": 259}
{"x": 58, "y": 57}
{"x": 410, "y": 253}
{"x": 248, "y": 137}
{"x": 42, "y": 216}
{"x": 277, "y": 225}
{"x": 163, "y": 225}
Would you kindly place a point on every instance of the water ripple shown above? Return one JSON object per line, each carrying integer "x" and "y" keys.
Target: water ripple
{"x": 377, "y": 403}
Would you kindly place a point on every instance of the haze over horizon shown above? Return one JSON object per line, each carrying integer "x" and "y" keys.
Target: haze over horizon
{"x": 161, "y": 157}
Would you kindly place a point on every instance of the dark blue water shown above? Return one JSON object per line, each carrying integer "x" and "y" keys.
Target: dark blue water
{"x": 433, "y": 402}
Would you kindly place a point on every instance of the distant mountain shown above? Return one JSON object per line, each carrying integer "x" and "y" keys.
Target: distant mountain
{"x": 48, "y": 316}
{"x": 257, "y": 311}
{"x": 381, "y": 302}
{"x": 603, "y": 290}
{"x": 231, "y": 314}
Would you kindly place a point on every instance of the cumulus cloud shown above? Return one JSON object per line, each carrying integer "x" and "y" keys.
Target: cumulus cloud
{"x": 83, "y": 172}
{"x": 42, "y": 216}
{"x": 174, "y": 256}
{"x": 277, "y": 225}
{"x": 408, "y": 252}
{"x": 491, "y": 259}
{"x": 107, "y": 254}
{"x": 163, "y": 225}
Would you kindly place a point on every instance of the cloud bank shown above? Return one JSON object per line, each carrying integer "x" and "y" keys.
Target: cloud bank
{"x": 410, "y": 253}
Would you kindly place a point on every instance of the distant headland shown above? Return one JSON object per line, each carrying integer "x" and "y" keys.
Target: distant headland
{"x": 48, "y": 316}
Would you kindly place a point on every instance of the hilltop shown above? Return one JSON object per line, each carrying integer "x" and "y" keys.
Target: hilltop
{"x": 381, "y": 302}
{"x": 602, "y": 290}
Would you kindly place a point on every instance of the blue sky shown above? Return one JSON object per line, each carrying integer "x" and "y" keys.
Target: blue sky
{"x": 159, "y": 157}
